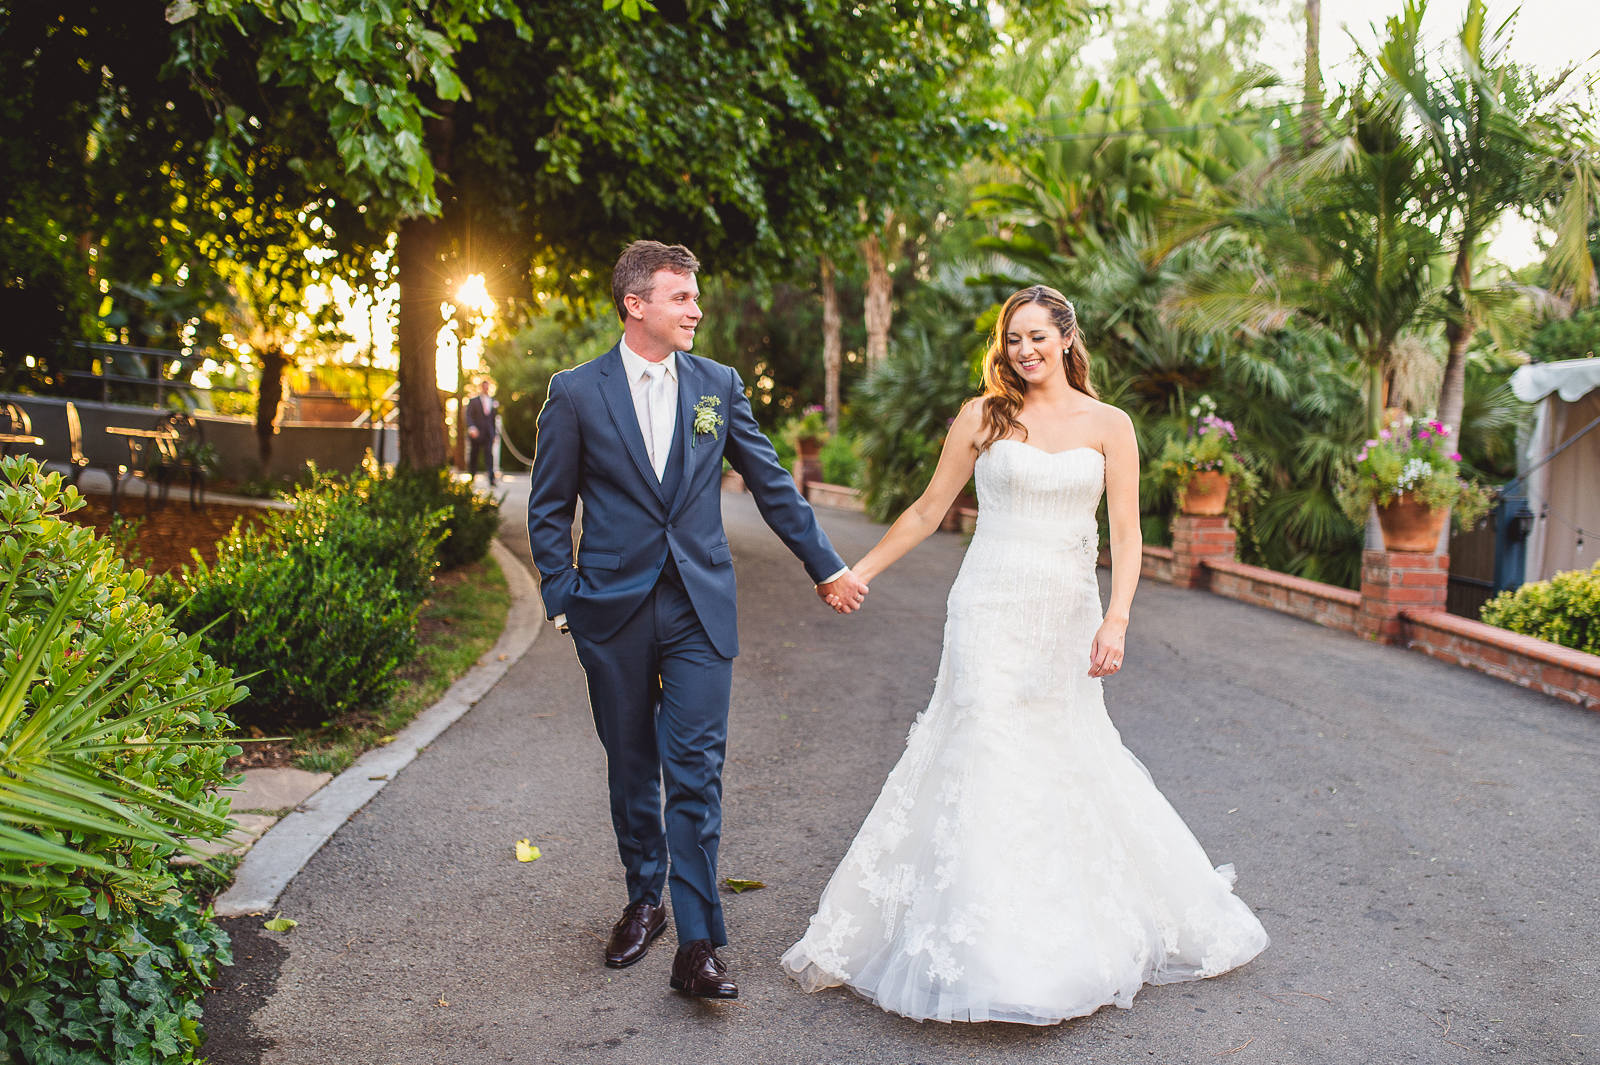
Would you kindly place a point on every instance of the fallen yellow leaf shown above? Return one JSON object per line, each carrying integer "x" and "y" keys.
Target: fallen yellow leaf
{"x": 526, "y": 852}
{"x": 738, "y": 886}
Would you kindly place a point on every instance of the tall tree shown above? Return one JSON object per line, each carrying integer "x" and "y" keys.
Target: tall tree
{"x": 1346, "y": 240}
{"x": 1311, "y": 85}
{"x": 1500, "y": 139}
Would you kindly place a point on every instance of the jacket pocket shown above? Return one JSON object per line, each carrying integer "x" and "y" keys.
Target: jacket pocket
{"x": 721, "y": 555}
{"x": 599, "y": 560}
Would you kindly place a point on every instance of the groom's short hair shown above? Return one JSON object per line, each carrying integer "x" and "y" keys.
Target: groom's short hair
{"x": 637, "y": 267}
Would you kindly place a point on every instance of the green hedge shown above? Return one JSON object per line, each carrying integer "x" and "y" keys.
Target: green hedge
{"x": 841, "y": 460}
{"x": 320, "y": 603}
{"x": 1564, "y": 609}
{"x": 471, "y": 517}
{"x": 112, "y": 748}
{"x": 904, "y": 409}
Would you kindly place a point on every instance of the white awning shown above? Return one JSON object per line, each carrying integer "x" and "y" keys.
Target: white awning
{"x": 1572, "y": 380}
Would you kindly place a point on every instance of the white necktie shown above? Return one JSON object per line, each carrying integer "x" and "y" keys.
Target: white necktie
{"x": 658, "y": 412}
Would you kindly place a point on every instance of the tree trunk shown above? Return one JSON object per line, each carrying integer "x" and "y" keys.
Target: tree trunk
{"x": 832, "y": 346}
{"x": 1453, "y": 388}
{"x": 419, "y": 257}
{"x": 1311, "y": 107}
{"x": 878, "y": 306}
{"x": 1377, "y": 395}
{"x": 269, "y": 399}
{"x": 421, "y": 422}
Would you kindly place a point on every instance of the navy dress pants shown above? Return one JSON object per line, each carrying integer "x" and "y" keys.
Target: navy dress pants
{"x": 659, "y": 693}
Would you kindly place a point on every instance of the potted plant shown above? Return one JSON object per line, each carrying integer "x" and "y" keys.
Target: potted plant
{"x": 1412, "y": 472}
{"x": 1205, "y": 468}
{"x": 806, "y": 433}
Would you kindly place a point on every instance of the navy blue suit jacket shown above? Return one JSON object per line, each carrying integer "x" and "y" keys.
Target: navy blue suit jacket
{"x": 590, "y": 447}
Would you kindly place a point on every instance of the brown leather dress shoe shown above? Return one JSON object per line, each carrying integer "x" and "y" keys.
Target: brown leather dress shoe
{"x": 696, "y": 970}
{"x": 631, "y": 937}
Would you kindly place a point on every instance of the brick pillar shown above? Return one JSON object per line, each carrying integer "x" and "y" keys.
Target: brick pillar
{"x": 1392, "y": 581}
{"x": 1199, "y": 538}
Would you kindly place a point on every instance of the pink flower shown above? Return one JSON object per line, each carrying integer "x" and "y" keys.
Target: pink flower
{"x": 1361, "y": 456}
{"x": 1444, "y": 430}
{"x": 1424, "y": 435}
{"x": 1384, "y": 434}
{"x": 1371, "y": 443}
{"x": 1455, "y": 456}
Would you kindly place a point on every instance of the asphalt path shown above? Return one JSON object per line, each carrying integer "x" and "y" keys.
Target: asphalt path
{"x": 1419, "y": 841}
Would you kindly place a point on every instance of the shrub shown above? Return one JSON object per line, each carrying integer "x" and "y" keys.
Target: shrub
{"x": 123, "y": 988}
{"x": 841, "y": 462}
{"x": 471, "y": 517}
{"x": 322, "y": 600}
{"x": 1564, "y": 609}
{"x": 111, "y": 749}
{"x": 904, "y": 409}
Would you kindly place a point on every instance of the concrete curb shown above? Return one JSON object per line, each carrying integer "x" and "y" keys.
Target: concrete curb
{"x": 285, "y": 849}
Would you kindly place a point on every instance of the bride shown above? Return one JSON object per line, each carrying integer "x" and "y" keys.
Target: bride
{"x": 1019, "y": 864}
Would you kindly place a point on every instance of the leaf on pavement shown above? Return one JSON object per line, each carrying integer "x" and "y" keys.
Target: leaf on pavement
{"x": 739, "y": 886}
{"x": 280, "y": 923}
{"x": 526, "y": 852}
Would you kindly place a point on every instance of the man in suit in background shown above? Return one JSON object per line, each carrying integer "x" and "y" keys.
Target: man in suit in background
{"x": 483, "y": 417}
{"x": 639, "y": 435}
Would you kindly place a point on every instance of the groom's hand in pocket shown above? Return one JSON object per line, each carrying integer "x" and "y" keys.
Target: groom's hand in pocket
{"x": 845, "y": 594}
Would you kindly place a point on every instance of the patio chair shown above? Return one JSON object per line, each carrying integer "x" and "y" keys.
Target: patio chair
{"x": 77, "y": 461}
{"x": 183, "y": 453}
{"x": 13, "y": 419}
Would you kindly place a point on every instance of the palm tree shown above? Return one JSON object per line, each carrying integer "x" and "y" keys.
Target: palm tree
{"x": 1499, "y": 139}
{"x": 1347, "y": 242}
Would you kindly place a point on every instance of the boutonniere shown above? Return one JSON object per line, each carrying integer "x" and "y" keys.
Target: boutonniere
{"x": 706, "y": 418}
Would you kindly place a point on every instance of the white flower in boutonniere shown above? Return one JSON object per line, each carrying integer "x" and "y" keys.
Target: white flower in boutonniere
{"x": 706, "y": 418}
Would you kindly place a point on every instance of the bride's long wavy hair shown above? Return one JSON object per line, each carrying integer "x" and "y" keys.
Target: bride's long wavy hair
{"x": 1003, "y": 386}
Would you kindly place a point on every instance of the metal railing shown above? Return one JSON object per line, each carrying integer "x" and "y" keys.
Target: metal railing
{"x": 156, "y": 360}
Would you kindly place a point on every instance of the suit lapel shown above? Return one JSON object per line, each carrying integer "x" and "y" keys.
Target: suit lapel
{"x": 688, "y": 394}
{"x": 618, "y": 396}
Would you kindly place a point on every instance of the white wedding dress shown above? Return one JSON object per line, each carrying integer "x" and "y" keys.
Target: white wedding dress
{"x": 1019, "y": 864}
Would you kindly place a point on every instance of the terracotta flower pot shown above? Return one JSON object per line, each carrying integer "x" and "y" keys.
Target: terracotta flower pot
{"x": 1409, "y": 525}
{"x": 1206, "y": 493}
{"x": 808, "y": 463}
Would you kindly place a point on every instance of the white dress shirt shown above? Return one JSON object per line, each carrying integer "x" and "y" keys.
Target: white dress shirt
{"x": 657, "y": 433}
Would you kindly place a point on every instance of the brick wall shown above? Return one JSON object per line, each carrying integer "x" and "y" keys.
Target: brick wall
{"x": 1538, "y": 664}
{"x": 1157, "y": 563}
{"x": 1196, "y": 540}
{"x": 1392, "y": 581}
{"x": 1324, "y": 604}
{"x": 1401, "y": 601}
{"x": 834, "y": 495}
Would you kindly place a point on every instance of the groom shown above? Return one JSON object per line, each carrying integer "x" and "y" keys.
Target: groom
{"x": 639, "y": 435}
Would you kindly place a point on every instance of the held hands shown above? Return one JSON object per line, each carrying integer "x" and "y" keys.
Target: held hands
{"x": 1105, "y": 654}
{"x": 845, "y": 594}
